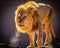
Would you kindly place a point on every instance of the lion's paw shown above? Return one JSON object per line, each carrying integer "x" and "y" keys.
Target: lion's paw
{"x": 30, "y": 47}
{"x": 46, "y": 43}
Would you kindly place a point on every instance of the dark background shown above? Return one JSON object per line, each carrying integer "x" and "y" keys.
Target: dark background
{"x": 7, "y": 24}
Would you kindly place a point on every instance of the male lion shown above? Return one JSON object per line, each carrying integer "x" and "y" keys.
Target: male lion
{"x": 31, "y": 16}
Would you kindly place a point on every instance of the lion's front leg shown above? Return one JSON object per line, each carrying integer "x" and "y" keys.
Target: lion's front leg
{"x": 31, "y": 37}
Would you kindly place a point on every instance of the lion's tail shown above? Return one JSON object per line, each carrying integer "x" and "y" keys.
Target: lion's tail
{"x": 53, "y": 32}
{"x": 51, "y": 16}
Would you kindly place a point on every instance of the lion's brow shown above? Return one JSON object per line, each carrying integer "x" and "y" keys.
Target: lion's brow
{"x": 21, "y": 13}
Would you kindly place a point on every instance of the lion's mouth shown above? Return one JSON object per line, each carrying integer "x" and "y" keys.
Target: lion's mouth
{"x": 21, "y": 25}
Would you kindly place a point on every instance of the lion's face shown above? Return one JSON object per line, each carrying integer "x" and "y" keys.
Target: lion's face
{"x": 24, "y": 20}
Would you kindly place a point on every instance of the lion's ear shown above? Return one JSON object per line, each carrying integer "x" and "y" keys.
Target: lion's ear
{"x": 35, "y": 17}
{"x": 30, "y": 10}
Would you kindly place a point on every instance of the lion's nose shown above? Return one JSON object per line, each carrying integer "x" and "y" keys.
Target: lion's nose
{"x": 21, "y": 19}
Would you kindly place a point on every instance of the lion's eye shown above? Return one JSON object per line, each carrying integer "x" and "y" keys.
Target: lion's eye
{"x": 19, "y": 15}
{"x": 25, "y": 14}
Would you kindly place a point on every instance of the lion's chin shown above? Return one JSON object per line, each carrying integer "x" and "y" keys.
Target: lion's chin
{"x": 23, "y": 29}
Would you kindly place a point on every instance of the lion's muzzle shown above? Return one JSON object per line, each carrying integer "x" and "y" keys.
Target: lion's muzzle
{"x": 21, "y": 19}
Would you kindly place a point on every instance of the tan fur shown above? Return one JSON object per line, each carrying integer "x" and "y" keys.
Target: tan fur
{"x": 30, "y": 23}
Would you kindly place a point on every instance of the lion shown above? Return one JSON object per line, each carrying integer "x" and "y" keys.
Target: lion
{"x": 32, "y": 18}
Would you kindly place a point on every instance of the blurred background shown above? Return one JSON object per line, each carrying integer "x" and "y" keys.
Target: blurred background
{"x": 9, "y": 36}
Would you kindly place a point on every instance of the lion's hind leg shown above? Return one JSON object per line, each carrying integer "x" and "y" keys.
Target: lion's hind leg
{"x": 48, "y": 39}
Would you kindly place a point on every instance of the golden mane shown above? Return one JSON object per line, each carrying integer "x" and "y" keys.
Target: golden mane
{"x": 27, "y": 5}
